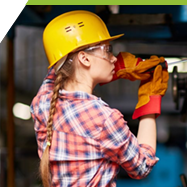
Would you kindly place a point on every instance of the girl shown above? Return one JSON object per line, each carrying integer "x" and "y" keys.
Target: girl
{"x": 81, "y": 140}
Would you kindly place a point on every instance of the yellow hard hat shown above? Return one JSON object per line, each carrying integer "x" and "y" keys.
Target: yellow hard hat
{"x": 72, "y": 30}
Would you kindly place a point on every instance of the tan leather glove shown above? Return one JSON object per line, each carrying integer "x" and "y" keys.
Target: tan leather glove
{"x": 132, "y": 68}
{"x": 150, "y": 93}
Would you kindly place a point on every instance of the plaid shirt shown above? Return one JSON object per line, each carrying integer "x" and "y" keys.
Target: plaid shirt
{"x": 90, "y": 140}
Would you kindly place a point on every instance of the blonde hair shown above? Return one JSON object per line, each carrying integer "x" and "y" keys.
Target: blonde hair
{"x": 64, "y": 74}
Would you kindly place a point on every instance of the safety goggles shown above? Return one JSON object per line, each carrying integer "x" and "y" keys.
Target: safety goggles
{"x": 106, "y": 51}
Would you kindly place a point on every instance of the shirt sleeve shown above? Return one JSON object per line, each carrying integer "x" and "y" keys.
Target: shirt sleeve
{"x": 38, "y": 116}
{"x": 39, "y": 109}
{"x": 51, "y": 74}
{"x": 119, "y": 145}
{"x": 40, "y": 133}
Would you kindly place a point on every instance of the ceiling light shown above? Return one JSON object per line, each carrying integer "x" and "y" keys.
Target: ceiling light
{"x": 21, "y": 111}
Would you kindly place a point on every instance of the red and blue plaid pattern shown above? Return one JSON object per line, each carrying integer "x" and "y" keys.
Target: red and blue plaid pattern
{"x": 90, "y": 140}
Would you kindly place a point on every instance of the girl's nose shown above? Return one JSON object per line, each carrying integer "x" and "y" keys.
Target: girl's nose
{"x": 113, "y": 59}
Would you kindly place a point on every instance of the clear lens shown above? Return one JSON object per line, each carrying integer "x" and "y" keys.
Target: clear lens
{"x": 109, "y": 48}
{"x": 106, "y": 51}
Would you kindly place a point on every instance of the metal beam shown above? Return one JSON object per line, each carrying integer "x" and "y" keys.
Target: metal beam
{"x": 139, "y": 19}
{"x": 10, "y": 118}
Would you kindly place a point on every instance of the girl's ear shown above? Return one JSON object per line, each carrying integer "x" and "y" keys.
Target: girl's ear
{"x": 84, "y": 58}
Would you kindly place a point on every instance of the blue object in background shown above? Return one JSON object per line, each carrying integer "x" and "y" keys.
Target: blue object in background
{"x": 166, "y": 173}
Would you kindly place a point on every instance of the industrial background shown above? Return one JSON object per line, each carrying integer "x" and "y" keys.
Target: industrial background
{"x": 149, "y": 30}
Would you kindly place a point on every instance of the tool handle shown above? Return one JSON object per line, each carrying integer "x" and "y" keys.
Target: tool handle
{"x": 163, "y": 64}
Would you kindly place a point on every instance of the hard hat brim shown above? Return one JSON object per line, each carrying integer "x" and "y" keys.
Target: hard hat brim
{"x": 115, "y": 37}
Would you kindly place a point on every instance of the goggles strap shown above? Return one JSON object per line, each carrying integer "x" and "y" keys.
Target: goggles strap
{"x": 62, "y": 61}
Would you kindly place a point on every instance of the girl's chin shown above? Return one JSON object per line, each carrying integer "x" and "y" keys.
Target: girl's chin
{"x": 106, "y": 81}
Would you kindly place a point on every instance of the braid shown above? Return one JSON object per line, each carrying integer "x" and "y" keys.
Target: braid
{"x": 44, "y": 164}
{"x": 63, "y": 75}
{"x": 58, "y": 83}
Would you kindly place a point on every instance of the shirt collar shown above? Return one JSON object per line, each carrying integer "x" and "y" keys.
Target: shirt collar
{"x": 80, "y": 95}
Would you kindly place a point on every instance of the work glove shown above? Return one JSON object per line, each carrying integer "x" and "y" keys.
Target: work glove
{"x": 151, "y": 92}
{"x": 132, "y": 68}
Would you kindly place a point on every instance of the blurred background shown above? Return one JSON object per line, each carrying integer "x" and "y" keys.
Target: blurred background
{"x": 149, "y": 30}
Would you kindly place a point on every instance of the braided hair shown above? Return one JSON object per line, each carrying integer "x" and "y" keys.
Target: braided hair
{"x": 64, "y": 74}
